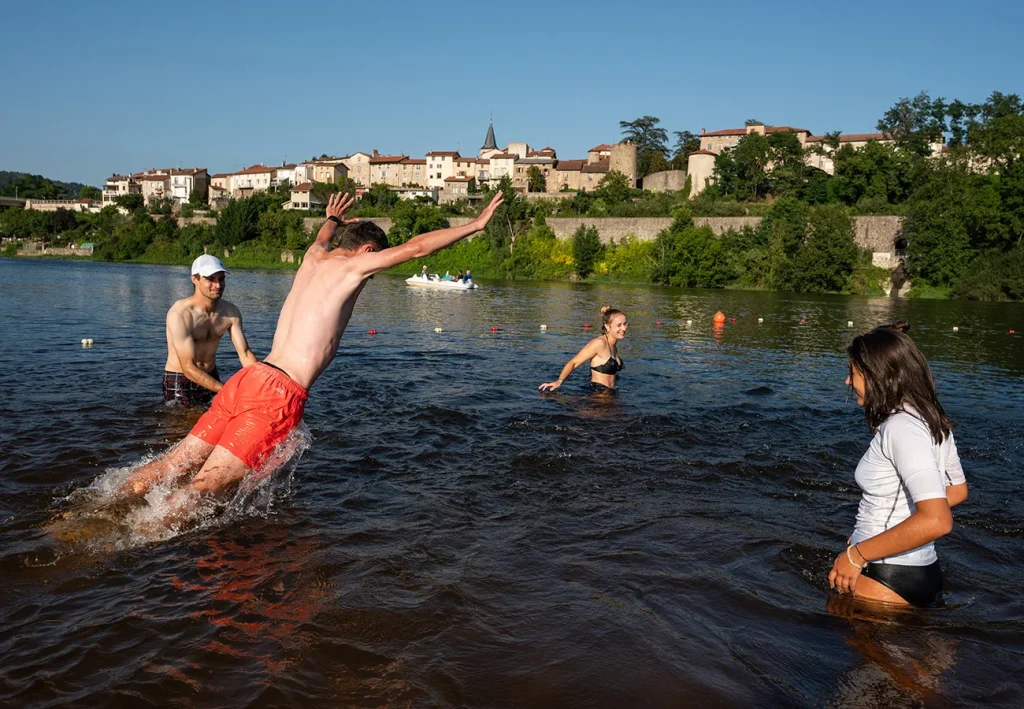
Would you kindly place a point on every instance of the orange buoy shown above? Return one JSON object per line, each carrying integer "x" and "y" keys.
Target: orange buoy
{"x": 586, "y": 326}
{"x": 372, "y": 332}
{"x": 657, "y": 322}
{"x": 494, "y": 328}
{"x": 719, "y": 317}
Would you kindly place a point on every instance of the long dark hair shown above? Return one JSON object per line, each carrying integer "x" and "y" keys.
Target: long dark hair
{"x": 896, "y": 374}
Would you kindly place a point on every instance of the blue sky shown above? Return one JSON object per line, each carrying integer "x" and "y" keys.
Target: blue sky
{"x": 92, "y": 89}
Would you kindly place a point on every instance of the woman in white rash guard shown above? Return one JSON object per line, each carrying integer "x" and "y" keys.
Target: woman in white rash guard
{"x": 910, "y": 475}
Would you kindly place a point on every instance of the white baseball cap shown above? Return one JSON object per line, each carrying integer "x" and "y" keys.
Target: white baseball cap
{"x": 207, "y": 265}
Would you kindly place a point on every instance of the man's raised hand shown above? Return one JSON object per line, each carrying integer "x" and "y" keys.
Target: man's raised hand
{"x": 485, "y": 216}
{"x": 337, "y": 203}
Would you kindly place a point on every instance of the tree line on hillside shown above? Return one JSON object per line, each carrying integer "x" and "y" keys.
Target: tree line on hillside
{"x": 26, "y": 186}
{"x": 964, "y": 214}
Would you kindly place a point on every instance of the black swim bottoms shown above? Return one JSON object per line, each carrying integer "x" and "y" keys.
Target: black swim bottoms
{"x": 181, "y": 389}
{"x": 596, "y": 388}
{"x": 917, "y": 585}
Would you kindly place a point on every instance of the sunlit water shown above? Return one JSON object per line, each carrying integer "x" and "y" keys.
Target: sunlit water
{"x": 453, "y": 538}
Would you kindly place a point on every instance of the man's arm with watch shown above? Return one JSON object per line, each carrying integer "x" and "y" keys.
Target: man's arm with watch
{"x": 336, "y": 206}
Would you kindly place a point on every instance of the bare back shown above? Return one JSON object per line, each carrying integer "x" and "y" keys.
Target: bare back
{"x": 315, "y": 315}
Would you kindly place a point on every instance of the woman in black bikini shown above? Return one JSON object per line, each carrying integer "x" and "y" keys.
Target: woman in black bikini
{"x": 601, "y": 353}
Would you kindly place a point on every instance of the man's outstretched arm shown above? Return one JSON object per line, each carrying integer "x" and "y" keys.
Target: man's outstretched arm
{"x": 424, "y": 244}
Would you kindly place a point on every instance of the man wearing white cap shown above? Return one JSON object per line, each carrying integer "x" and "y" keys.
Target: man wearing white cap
{"x": 194, "y": 327}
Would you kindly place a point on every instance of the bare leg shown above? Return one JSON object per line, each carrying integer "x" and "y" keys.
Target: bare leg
{"x": 870, "y": 590}
{"x": 220, "y": 471}
{"x": 179, "y": 461}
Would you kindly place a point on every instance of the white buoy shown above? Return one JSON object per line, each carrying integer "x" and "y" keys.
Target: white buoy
{"x": 89, "y": 342}
{"x": 956, "y": 329}
{"x": 437, "y": 329}
{"x": 849, "y": 323}
{"x": 544, "y": 328}
{"x": 760, "y": 320}
{"x": 689, "y": 322}
{"x": 84, "y": 342}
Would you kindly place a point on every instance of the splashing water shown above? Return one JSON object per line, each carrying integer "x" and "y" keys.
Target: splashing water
{"x": 101, "y": 520}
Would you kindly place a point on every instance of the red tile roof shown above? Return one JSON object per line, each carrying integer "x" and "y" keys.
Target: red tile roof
{"x": 256, "y": 170}
{"x": 189, "y": 171}
{"x": 596, "y": 167}
{"x": 220, "y": 175}
{"x": 444, "y": 153}
{"x": 600, "y": 148}
{"x": 743, "y": 131}
{"x": 414, "y": 161}
{"x": 573, "y": 165}
{"x": 852, "y": 137}
{"x": 161, "y": 178}
{"x": 304, "y": 187}
{"x": 457, "y": 179}
{"x": 469, "y": 160}
{"x": 388, "y": 159}
{"x": 503, "y": 156}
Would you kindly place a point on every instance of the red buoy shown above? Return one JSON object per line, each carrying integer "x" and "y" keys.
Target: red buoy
{"x": 803, "y": 320}
{"x": 1013, "y": 332}
{"x": 586, "y": 325}
{"x": 658, "y": 322}
{"x": 494, "y": 328}
{"x": 734, "y": 320}
{"x": 372, "y": 332}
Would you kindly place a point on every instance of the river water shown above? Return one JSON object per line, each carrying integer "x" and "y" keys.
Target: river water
{"x": 452, "y": 538}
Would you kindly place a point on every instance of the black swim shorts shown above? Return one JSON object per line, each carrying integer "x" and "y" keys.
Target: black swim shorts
{"x": 181, "y": 389}
{"x": 917, "y": 585}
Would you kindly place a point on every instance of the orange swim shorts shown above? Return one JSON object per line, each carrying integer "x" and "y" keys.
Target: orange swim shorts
{"x": 254, "y": 412}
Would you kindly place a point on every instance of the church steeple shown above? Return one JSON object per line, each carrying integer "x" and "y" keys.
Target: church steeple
{"x": 489, "y": 143}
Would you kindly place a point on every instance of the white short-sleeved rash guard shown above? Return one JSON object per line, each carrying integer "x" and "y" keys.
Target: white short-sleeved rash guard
{"x": 901, "y": 467}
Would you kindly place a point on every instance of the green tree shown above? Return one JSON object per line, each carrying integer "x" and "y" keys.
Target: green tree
{"x": 161, "y": 205}
{"x": 686, "y": 143}
{"x": 614, "y": 188}
{"x": 412, "y": 217}
{"x": 535, "y": 181}
{"x": 61, "y": 221}
{"x": 586, "y": 248}
{"x": 237, "y": 222}
{"x": 784, "y": 229}
{"x": 826, "y": 259}
{"x": 916, "y": 123}
{"x": 381, "y": 196}
{"x": 132, "y": 201}
{"x": 876, "y": 171}
{"x": 786, "y": 157}
{"x": 687, "y": 256}
{"x": 742, "y": 172}
{"x": 196, "y": 199}
{"x": 92, "y": 193}
{"x": 510, "y": 220}
{"x": 651, "y": 143}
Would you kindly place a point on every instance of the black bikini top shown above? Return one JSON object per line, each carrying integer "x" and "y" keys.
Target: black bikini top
{"x": 610, "y": 366}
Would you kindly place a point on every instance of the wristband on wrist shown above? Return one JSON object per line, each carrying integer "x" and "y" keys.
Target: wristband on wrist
{"x": 334, "y": 219}
{"x": 854, "y": 563}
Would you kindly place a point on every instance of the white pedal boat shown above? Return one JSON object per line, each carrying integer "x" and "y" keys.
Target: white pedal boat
{"x": 434, "y": 281}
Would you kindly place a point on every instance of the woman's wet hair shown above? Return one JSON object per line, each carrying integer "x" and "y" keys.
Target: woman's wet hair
{"x": 355, "y": 235}
{"x": 898, "y": 325}
{"x": 607, "y": 313}
{"x": 896, "y": 374}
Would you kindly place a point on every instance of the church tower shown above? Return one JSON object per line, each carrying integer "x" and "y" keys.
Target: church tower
{"x": 490, "y": 146}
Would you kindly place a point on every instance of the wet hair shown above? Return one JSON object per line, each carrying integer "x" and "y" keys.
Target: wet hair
{"x": 898, "y": 325}
{"x": 355, "y": 235}
{"x": 896, "y": 374}
{"x": 607, "y": 313}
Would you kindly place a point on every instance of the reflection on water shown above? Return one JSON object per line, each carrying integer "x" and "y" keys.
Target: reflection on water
{"x": 453, "y": 538}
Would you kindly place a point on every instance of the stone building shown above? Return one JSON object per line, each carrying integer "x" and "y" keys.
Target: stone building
{"x": 117, "y": 185}
{"x": 303, "y": 197}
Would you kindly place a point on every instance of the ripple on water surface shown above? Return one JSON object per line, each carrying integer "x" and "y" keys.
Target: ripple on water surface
{"x": 453, "y": 538}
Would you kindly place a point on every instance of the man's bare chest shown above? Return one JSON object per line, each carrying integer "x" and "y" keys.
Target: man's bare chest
{"x": 209, "y": 328}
